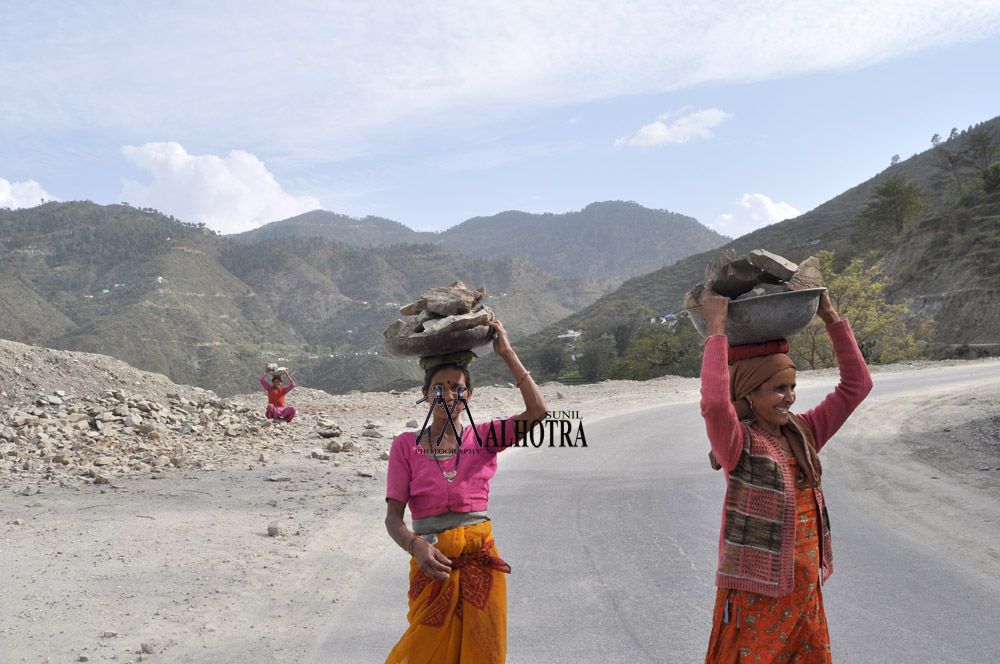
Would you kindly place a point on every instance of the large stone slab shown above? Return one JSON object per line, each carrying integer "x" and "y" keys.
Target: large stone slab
{"x": 459, "y": 322}
{"x": 775, "y": 265}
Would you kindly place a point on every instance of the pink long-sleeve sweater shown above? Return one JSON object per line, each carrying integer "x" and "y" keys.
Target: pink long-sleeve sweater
{"x": 725, "y": 433}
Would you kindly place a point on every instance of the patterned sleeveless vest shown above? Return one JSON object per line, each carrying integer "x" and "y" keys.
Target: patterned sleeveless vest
{"x": 758, "y": 553}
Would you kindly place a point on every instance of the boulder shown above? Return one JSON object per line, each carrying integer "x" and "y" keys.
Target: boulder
{"x": 731, "y": 274}
{"x": 807, "y": 275}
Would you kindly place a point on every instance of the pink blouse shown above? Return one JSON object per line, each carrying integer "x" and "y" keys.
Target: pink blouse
{"x": 414, "y": 477}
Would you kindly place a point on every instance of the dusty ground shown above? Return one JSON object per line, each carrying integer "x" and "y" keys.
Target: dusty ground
{"x": 183, "y": 567}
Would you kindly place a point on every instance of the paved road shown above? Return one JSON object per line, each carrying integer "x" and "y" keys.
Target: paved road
{"x": 614, "y": 547}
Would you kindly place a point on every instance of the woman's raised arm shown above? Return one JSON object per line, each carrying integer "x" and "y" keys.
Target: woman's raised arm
{"x": 534, "y": 403}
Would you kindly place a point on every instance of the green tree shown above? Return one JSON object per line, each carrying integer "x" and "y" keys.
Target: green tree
{"x": 551, "y": 358}
{"x": 598, "y": 355}
{"x": 659, "y": 350}
{"x": 619, "y": 319}
{"x": 885, "y": 332}
{"x": 991, "y": 179}
{"x": 981, "y": 148}
{"x": 893, "y": 207}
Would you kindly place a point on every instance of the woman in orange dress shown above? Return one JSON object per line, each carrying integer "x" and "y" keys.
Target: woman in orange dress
{"x": 775, "y": 549}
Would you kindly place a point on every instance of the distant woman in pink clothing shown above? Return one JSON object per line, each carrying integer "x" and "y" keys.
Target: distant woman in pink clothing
{"x": 276, "y": 408}
{"x": 458, "y": 591}
{"x": 775, "y": 545}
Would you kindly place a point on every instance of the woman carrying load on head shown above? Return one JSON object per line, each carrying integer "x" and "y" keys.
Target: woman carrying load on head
{"x": 276, "y": 408}
{"x": 775, "y": 547}
{"x": 458, "y": 592}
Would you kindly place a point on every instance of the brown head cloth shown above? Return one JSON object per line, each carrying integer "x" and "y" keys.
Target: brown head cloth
{"x": 745, "y": 376}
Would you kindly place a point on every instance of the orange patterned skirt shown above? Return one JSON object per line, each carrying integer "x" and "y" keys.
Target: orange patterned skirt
{"x": 768, "y": 630}
{"x": 464, "y": 619}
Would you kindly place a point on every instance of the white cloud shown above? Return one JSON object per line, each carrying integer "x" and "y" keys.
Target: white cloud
{"x": 750, "y": 212}
{"x": 22, "y": 194}
{"x": 313, "y": 82}
{"x": 683, "y": 129}
{"x": 229, "y": 194}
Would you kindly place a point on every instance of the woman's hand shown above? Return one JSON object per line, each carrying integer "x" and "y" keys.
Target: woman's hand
{"x": 826, "y": 311}
{"x": 501, "y": 342}
{"x": 432, "y": 562}
{"x": 715, "y": 309}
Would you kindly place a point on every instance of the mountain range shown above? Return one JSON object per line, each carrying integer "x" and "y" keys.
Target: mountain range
{"x": 210, "y": 310}
{"x": 613, "y": 240}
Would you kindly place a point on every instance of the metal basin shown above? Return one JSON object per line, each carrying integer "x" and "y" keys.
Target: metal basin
{"x": 426, "y": 345}
{"x": 766, "y": 317}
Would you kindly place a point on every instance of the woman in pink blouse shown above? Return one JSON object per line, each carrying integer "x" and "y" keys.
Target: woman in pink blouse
{"x": 774, "y": 546}
{"x": 457, "y": 596}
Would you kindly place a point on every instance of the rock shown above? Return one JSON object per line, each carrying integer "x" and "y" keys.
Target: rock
{"x": 364, "y": 473}
{"x": 73, "y": 418}
{"x": 335, "y": 446}
{"x": 731, "y": 274}
{"x": 372, "y": 425}
{"x": 459, "y": 321}
{"x": 101, "y": 479}
{"x": 692, "y": 298}
{"x": 371, "y": 433}
{"x": 348, "y": 446}
{"x": 778, "y": 267}
{"x": 331, "y": 432}
{"x": 155, "y": 435}
{"x": 385, "y": 456}
{"x": 264, "y": 457}
{"x": 412, "y": 424}
{"x": 807, "y": 276}
{"x": 455, "y": 299}
{"x": 400, "y": 328}
{"x": 30, "y": 490}
{"x": 274, "y": 529}
{"x": 316, "y": 454}
{"x": 279, "y": 478}
{"x": 147, "y": 649}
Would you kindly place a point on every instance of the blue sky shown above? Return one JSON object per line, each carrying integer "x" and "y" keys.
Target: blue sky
{"x": 432, "y": 112}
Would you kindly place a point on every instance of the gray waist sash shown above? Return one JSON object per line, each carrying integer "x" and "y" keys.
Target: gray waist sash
{"x": 442, "y": 522}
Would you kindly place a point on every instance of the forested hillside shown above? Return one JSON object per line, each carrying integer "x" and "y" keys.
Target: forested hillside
{"x": 203, "y": 309}
{"x": 944, "y": 257}
{"x": 614, "y": 239}
{"x": 324, "y": 225}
